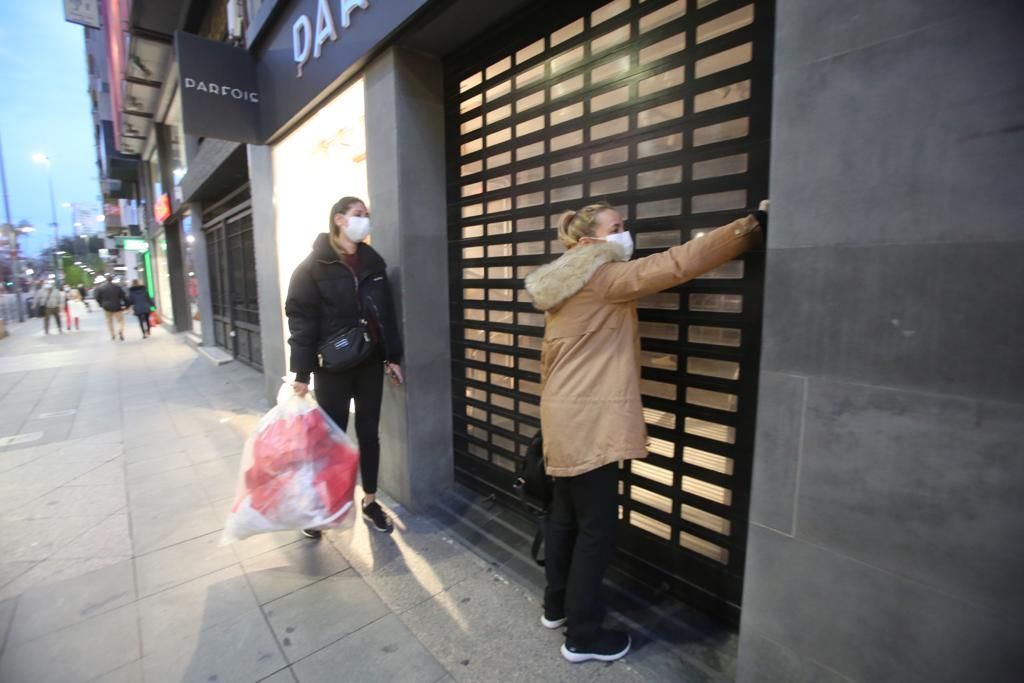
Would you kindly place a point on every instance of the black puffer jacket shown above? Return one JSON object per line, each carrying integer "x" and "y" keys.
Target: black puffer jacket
{"x": 324, "y": 299}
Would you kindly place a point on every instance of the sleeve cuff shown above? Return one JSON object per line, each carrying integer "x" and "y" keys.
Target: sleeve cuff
{"x": 302, "y": 377}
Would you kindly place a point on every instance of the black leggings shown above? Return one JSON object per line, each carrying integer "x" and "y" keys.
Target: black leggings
{"x": 365, "y": 384}
{"x": 143, "y": 323}
{"x": 578, "y": 546}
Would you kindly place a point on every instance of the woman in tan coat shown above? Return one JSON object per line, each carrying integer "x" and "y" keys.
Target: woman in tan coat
{"x": 591, "y": 410}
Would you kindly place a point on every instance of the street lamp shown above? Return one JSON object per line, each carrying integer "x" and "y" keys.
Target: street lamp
{"x": 45, "y": 160}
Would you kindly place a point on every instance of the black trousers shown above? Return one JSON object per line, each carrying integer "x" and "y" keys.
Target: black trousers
{"x": 143, "y": 323}
{"x": 365, "y": 384}
{"x": 579, "y": 541}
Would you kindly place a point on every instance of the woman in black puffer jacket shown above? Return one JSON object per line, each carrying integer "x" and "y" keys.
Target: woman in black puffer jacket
{"x": 342, "y": 282}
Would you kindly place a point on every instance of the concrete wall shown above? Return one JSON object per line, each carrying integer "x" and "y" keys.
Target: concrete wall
{"x": 885, "y": 542}
{"x": 405, "y": 165}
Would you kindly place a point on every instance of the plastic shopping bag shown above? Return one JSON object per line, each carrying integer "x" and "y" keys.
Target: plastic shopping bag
{"x": 298, "y": 472}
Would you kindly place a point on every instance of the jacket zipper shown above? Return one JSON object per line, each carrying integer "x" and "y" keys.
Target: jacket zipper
{"x": 359, "y": 302}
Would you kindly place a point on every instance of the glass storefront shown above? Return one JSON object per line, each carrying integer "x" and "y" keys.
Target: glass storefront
{"x": 191, "y": 280}
{"x": 163, "y": 280}
{"x": 316, "y": 165}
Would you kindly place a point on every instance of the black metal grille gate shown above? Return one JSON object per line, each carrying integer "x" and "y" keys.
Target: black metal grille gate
{"x": 232, "y": 263}
{"x": 662, "y": 108}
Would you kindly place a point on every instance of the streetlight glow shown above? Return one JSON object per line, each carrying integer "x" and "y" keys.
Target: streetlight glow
{"x": 40, "y": 158}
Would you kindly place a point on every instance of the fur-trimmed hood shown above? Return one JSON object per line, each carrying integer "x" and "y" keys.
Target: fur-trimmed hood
{"x": 551, "y": 285}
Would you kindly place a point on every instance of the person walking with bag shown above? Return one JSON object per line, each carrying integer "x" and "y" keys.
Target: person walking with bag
{"x": 112, "y": 299}
{"x": 591, "y": 410}
{"x": 142, "y": 304}
{"x": 76, "y": 308}
{"x": 50, "y": 301}
{"x": 344, "y": 331}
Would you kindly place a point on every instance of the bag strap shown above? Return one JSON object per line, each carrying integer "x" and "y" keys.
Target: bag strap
{"x": 539, "y": 518}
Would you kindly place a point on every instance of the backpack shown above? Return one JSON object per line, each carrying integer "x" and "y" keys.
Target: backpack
{"x": 534, "y": 488}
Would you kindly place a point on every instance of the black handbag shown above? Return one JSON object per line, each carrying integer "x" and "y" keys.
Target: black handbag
{"x": 535, "y": 489}
{"x": 347, "y": 349}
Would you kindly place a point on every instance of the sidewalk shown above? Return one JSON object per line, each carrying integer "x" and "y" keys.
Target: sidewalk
{"x": 113, "y": 491}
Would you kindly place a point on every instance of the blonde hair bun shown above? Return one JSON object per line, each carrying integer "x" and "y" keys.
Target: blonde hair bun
{"x": 573, "y": 225}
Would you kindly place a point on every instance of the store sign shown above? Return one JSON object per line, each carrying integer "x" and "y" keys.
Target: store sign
{"x": 317, "y": 44}
{"x": 220, "y": 93}
{"x": 84, "y": 12}
{"x": 162, "y": 208}
{"x": 305, "y": 44}
{"x": 135, "y": 244}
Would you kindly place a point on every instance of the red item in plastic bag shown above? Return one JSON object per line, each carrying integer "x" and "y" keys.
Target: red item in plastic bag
{"x": 298, "y": 472}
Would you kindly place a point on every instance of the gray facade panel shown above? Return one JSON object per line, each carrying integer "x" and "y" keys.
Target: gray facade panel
{"x": 777, "y": 448}
{"x": 920, "y": 484}
{"x": 866, "y": 623}
{"x": 945, "y": 318}
{"x": 915, "y": 139}
{"x": 405, "y": 164}
{"x": 261, "y": 179}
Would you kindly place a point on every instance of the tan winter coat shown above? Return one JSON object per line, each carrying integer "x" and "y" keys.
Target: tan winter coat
{"x": 590, "y": 408}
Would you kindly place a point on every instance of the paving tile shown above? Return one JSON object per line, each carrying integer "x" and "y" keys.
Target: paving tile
{"x": 194, "y": 606}
{"x": 138, "y": 470}
{"x": 183, "y": 562}
{"x": 8, "y": 608}
{"x": 241, "y": 649}
{"x": 129, "y": 673}
{"x": 286, "y": 570}
{"x": 45, "y": 609}
{"x": 73, "y": 501}
{"x": 111, "y": 472}
{"x": 263, "y": 543}
{"x": 14, "y": 498}
{"x": 282, "y": 676}
{"x": 410, "y": 565}
{"x": 382, "y": 651}
{"x": 37, "y": 539}
{"x": 9, "y": 571}
{"x": 111, "y": 538}
{"x": 163, "y": 483}
{"x": 320, "y": 614}
{"x": 52, "y": 571}
{"x": 472, "y": 627}
{"x": 86, "y": 650}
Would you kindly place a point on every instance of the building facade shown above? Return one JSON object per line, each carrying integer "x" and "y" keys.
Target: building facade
{"x": 831, "y": 447}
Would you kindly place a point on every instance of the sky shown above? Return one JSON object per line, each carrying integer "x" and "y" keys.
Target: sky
{"x": 44, "y": 108}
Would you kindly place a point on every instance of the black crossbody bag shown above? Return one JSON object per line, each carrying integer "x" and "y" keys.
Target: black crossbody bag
{"x": 346, "y": 349}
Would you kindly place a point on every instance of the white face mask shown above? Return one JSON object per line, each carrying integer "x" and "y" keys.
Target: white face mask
{"x": 357, "y": 228}
{"x": 624, "y": 240}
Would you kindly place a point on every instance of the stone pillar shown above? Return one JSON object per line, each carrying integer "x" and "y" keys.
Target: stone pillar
{"x": 405, "y": 163}
{"x": 885, "y": 515}
{"x": 268, "y": 287}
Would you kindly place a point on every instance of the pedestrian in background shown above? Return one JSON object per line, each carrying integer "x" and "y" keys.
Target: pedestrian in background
{"x": 342, "y": 285}
{"x": 83, "y": 294}
{"x": 142, "y": 304}
{"x": 76, "y": 309}
{"x": 112, "y": 299}
{"x": 50, "y": 301}
{"x": 591, "y": 411}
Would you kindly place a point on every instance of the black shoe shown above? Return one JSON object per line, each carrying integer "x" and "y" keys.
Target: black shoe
{"x": 315, "y": 534}
{"x": 375, "y": 514}
{"x": 607, "y": 646}
{"x": 121, "y": 335}
{"x": 552, "y": 618}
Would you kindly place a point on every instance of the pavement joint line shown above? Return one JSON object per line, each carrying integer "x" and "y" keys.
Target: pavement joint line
{"x": 7, "y": 636}
{"x": 266, "y": 619}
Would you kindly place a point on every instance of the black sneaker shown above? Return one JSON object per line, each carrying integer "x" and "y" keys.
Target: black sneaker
{"x": 552, "y": 618}
{"x": 315, "y": 534}
{"x": 606, "y": 647}
{"x": 375, "y": 514}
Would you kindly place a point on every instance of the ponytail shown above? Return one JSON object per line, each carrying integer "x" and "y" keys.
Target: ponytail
{"x": 573, "y": 225}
